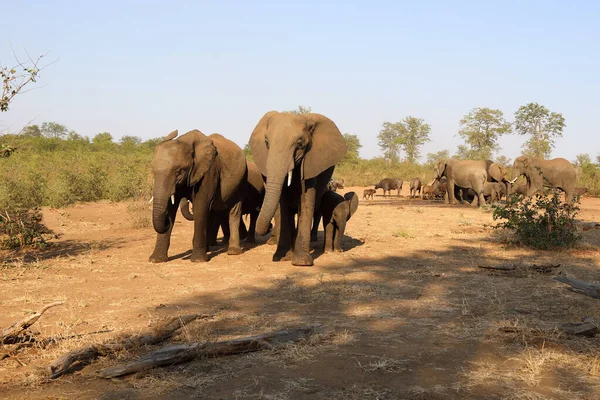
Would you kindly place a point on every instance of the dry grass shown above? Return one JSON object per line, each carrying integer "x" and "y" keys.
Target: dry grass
{"x": 139, "y": 214}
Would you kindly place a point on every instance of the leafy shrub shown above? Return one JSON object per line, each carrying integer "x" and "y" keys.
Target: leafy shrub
{"x": 369, "y": 172}
{"x": 22, "y": 228}
{"x": 542, "y": 223}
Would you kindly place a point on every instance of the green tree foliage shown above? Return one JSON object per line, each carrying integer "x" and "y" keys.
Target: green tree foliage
{"x": 31, "y": 131}
{"x": 74, "y": 136}
{"x": 433, "y": 158}
{"x": 248, "y": 152}
{"x": 103, "y": 139}
{"x": 480, "y": 129}
{"x": 409, "y": 135}
{"x": 14, "y": 79}
{"x": 388, "y": 140}
{"x": 542, "y": 125}
{"x": 54, "y": 130}
{"x": 414, "y": 132}
{"x": 503, "y": 160}
{"x": 301, "y": 110}
{"x": 352, "y": 148}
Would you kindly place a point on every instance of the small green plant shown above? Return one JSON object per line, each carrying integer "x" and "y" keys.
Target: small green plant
{"x": 543, "y": 222}
{"x": 22, "y": 228}
{"x": 403, "y": 234}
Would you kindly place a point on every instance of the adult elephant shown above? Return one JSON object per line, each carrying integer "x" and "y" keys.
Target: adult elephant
{"x": 497, "y": 173}
{"x": 468, "y": 174}
{"x": 556, "y": 173}
{"x": 211, "y": 171}
{"x": 297, "y": 154}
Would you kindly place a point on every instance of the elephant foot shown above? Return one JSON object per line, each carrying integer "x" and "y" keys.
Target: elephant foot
{"x": 272, "y": 240}
{"x": 158, "y": 258}
{"x": 281, "y": 256}
{"x": 199, "y": 256}
{"x": 302, "y": 260}
{"x": 338, "y": 250}
{"x": 326, "y": 251}
{"x": 234, "y": 250}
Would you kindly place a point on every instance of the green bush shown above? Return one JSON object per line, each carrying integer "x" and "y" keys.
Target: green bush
{"x": 22, "y": 228}
{"x": 542, "y": 223}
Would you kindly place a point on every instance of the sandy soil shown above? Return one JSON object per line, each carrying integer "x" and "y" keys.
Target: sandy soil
{"x": 408, "y": 312}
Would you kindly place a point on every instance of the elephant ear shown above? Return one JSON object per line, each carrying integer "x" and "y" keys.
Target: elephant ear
{"x": 204, "y": 154}
{"x": 171, "y": 135}
{"x": 259, "y": 150}
{"x": 441, "y": 167}
{"x": 352, "y": 200}
{"x": 496, "y": 171}
{"x": 327, "y": 146}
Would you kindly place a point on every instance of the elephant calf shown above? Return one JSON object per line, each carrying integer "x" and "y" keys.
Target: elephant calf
{"x": 368, "y": 193}
{"x": 337, "y": 210}
{"x": 415, "y": 186}
{"x": 334, "y": 185}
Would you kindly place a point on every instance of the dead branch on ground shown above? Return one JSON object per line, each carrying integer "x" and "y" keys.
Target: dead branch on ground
{"x": 12, "y": 334}
{"x": 581, "y": 287}
{"x": 181, "y": 353}
{"x": 85, "y": 355}
{"x": 587, "y": 327}
{"x": 542, "y": 269}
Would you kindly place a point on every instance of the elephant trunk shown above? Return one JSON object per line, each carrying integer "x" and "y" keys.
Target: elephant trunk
{"x": 185, "y": 209}
{"x": 270, "y": 203}
{"x": 160, "y": 218}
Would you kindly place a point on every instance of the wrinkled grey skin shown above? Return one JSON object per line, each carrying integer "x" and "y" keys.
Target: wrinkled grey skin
{"x": 337, "y": 210}
{"x": 389, "y": 184}
{"x": 468, "y": 174}
{"x": 368, "y": 193}
{"x": 415, "y": 187}
{"x": 210, "y": 170}
{"x": 556, "y": 173}
{"x": 305, "y": 147}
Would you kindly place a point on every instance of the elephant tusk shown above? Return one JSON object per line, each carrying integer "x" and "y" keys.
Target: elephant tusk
{"x": 513, "y": 181}
{"x": 151, "y": 200}
{"x": 173, "y": 199}
{"x": 289, "y": 178}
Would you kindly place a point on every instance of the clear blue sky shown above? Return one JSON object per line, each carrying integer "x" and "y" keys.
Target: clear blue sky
{"x": 145, "y": 68}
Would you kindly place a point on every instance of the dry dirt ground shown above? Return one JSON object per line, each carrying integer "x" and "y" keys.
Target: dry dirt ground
{"x": 408, "y": 313}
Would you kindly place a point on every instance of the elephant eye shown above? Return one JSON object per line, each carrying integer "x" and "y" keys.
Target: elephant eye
{"x": 299, "y": 144}
{"x": 267, "y": 143}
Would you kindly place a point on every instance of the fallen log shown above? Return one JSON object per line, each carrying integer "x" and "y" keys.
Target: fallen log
{"x": 581, "y": 287}
{"x": 11, "y": 334}
{"x": 83, "y": 356}
{"x": 587, "y": 327}
{"x": 543, "y": 268}
{"x": 181, "y": 353}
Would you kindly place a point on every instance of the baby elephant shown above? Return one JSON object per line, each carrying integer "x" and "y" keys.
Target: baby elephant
{"x": 337, "y": 210}
{"x": 427, "y": 192}
{"x": 415, "y": 186}
{"x": 368, "y": 193}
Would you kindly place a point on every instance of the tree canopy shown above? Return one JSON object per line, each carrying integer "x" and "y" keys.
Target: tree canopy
{"x": 542, "y": 125}
{"x": 408, "y": 134}
{"x": 14, "y": 79}
{"x": 352, "y": 148}
{"x": 480, "y": 129}
{"x": 301, "y": 110}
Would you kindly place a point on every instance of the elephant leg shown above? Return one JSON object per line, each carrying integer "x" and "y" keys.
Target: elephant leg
{"x": 273, "y": 240}
{"x": 163, "y": 240}
{"x": 481, "y": 198}
{"x": 201, "y": 211}
{"x": 315, "y": 226}
{"x": 235, "y": 216}
{"x": 212, "y": 228}
{"x": 306, "y": 211}
{"x": 286, "y": 230}
{"x": 339, "y": 235}
{"x": 450, "y": 192}
{"x": 224, "y": 224}
{"x": 328, "y": 236}
{"x": 251, "y": 238}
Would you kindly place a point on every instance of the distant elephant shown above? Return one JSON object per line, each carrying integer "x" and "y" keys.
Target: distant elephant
{"x": 251, "y": 204}
{"x": 415, "y": 186}
{"x": 556, "y": 173}
{"x": 468, "y": 174}
{"x": 497, "y": 173}
{"x": 389, "y": 184}
{"x": 334, "y": 185}
{"x": 211, "y": 170}
{"x": 368, "y": 193}
{"x": 492, "y": 192}
{"x": 297, "y": 154}
{"x": 337, "y": 210}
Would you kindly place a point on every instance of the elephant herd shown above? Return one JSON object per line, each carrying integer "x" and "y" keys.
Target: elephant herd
{"x": 484, "y": 180}
{"x": 294, "y": 159}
